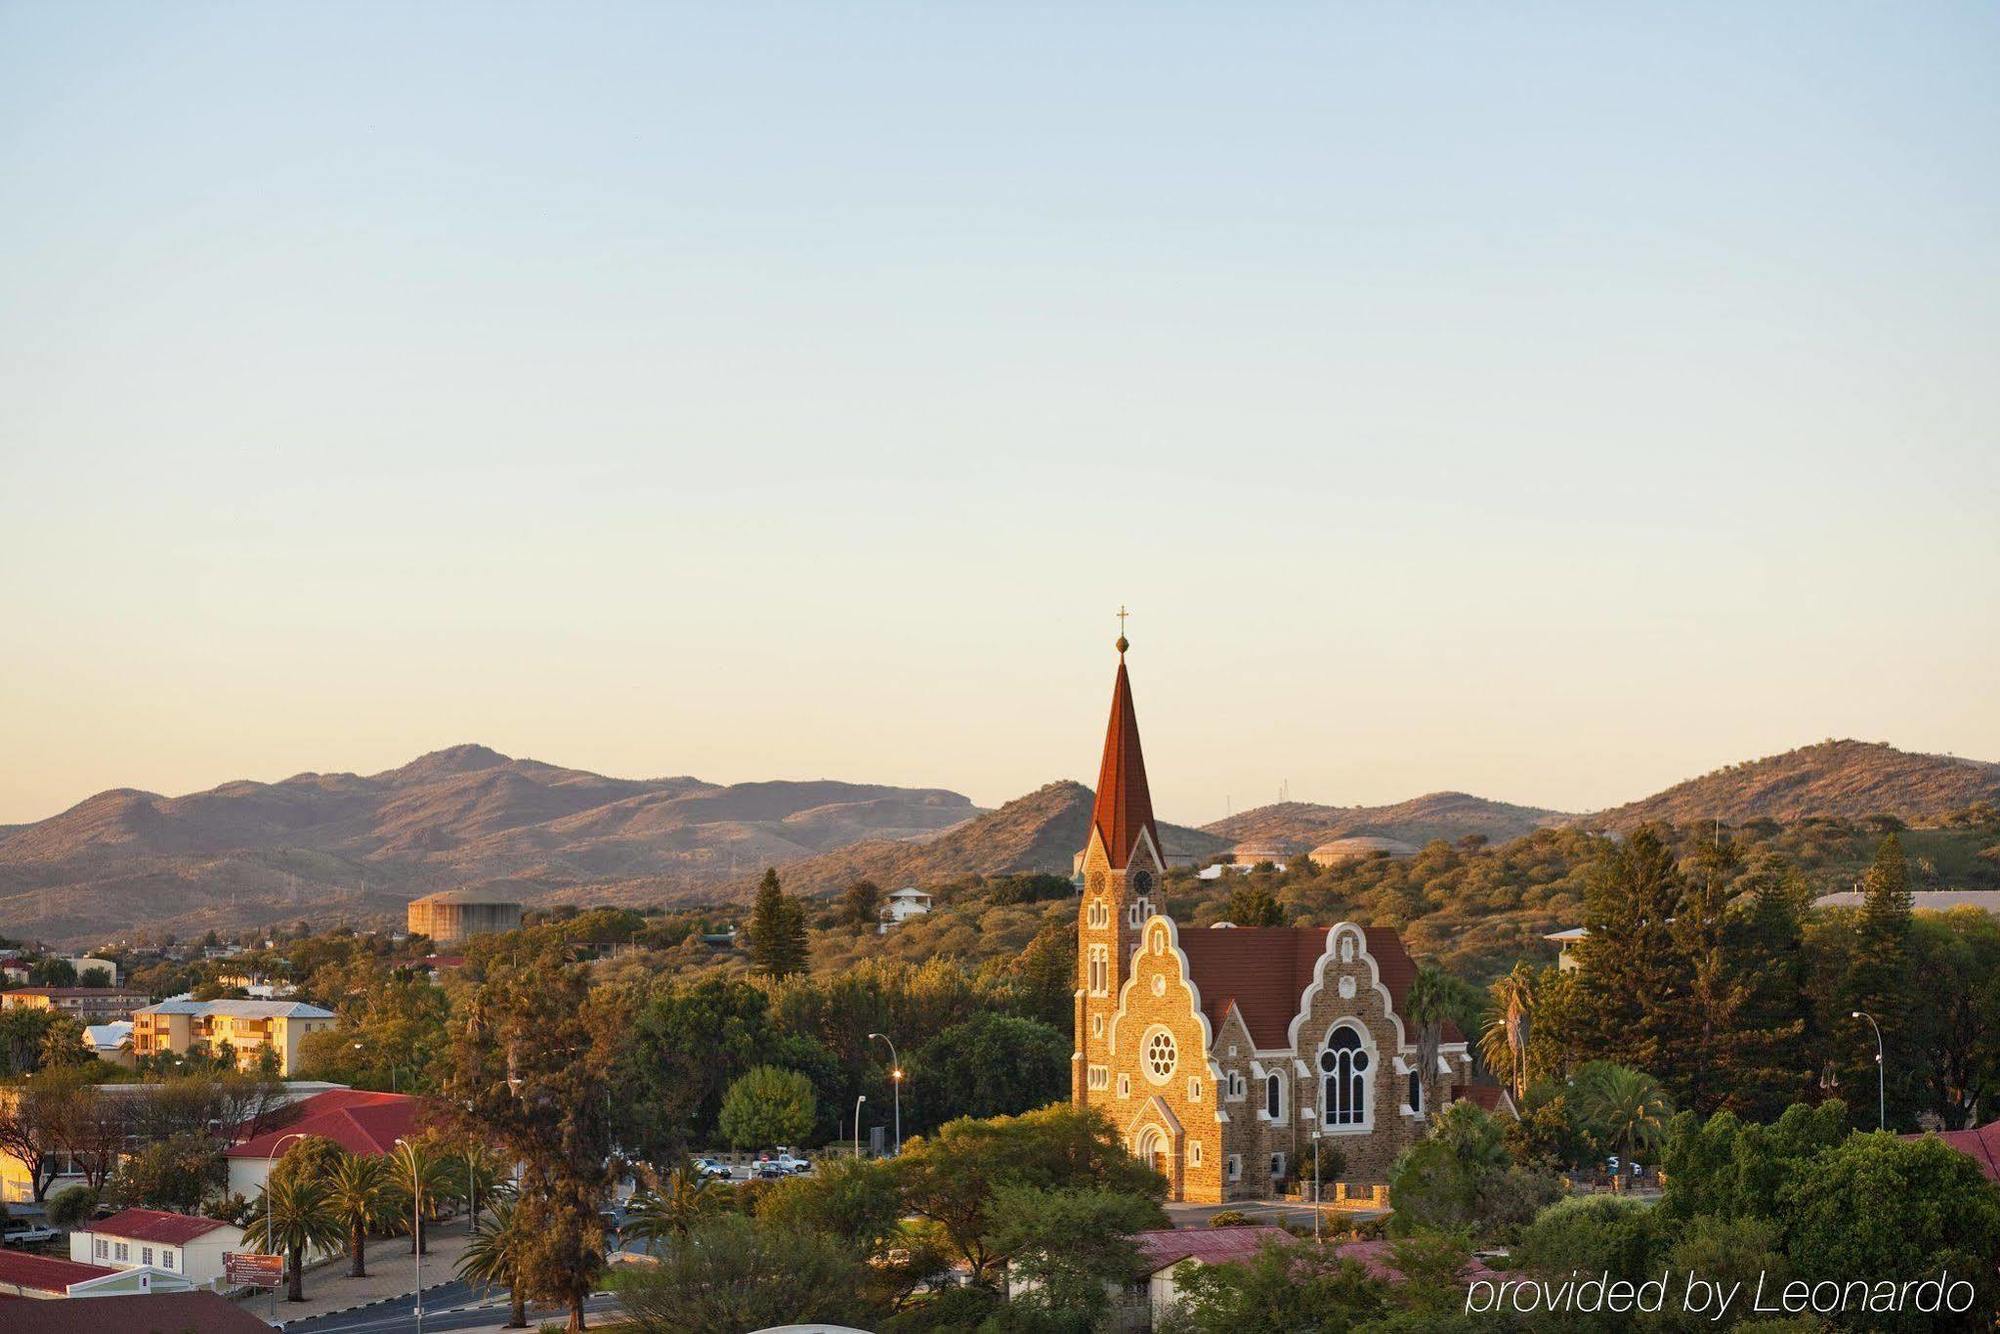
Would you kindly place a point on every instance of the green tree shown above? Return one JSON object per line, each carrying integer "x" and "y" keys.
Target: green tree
{"x": 1429, "y": 1003}
{"x": 860, "y": 903}
{"x": 732, "y": 1274}
{"x": 1254, "y": 905}
{"x": 1461, "y": 1177}
{"x": 1632, "y": 975}
{"x": 768, "y": 1106}
{"x": 1503, "y": 1043}
{"x": 531, "y": 1066}
{"x": 94, "y": 977}
{"x": 176, "y": 1173}
{"x": 362, "y": 1190}
{"x": 682, "y": 1198}
{"x": 71, "y": 1207}
{"x": 777, "y": 929}
{"x": 1285, "y": 1286}
{"x": 1593, "y": 1234}
{"x": 1879, "y": 981}
{"x": 293, "y": 1214}
{"x": 991, "y": 1065}
{"x": 1065, "y": 1245}
{"x": 493, "y": 1255}
{"x": 51, "y": 972}
{"x": 421, "y": 1171}
{"x": 1625, "y": 1109}
{"x": 1930, "y": 1209}
{"x": 859, "y": 1200}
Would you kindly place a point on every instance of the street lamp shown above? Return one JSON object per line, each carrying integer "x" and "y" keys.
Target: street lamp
{"x": 857, "y": 1123}
{"x": 896, "y": 1081}
{"x": 392, "y": 1069}
{"x": 1881, "y": 1085}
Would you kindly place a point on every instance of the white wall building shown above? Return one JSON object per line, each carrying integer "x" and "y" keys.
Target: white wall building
{"x": 902, "y": 905}
{"x": 180, "y": 1244}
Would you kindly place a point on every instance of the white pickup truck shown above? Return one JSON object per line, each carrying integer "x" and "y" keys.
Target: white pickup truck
{"x": 24, "y": 1233}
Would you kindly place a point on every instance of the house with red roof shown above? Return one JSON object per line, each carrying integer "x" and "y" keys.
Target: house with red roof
{"x": 184, "y": 1244}
{"x": 1223, "y": 1055}
{"x": 1981, "y": 1145}
{"x": 44, "y": 1277}
{"x": 363, "y": 1123}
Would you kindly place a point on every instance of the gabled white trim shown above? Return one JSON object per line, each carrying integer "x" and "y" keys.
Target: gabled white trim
{"x": 1173, "y": 1123}
{"x": 1186, "y": 977}
{"x": 1330, "y": 955}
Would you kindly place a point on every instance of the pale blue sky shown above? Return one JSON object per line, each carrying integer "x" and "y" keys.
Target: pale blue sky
{"x": 1550, "y": 401}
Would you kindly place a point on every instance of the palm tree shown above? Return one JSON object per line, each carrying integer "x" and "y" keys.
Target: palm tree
{"x": 363, "y": 1193}
{"x": 493, "y": 1255}
{"x": 1625, "y": 1108}
{"x": 1428, "y": 1006}
{"x": 670, "y": 1210}
{"x": 423, "y": 1177}
{"x": 294, "y": 1215}
{"x": 1505, "y": 1039}
{"x": 479, "y": 1171}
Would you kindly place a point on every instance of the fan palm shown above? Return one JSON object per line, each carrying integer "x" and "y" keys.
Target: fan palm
{"x": 363, "y": 1192}
{"x": 493, "y": 1255}
{"x": 676, "y": 1206}
{"x": 1625, "y": 1108}
{"x": 1504, "y": 1043}
{"x": 1428, "y": 1006}
{"x": 293, "y": 1215}
{"x": 480, "y": 1172}
{"x": 423, "y": 1178}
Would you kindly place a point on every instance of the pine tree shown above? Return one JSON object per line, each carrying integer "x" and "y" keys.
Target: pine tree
{"x": 798, "y": 950}
{"x": 1768, "y": 1064}
{"x": 1878, "y": 975}
{"x": 1632, "y": 976}
{"x": 1717, "y": 991}
{"x": 769, "y": 945}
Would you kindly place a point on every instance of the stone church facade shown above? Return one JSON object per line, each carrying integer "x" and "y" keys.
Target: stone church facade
{"x": 1217, "y": 1052}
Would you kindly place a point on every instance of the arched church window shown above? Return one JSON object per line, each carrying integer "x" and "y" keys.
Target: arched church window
{"x": 1161, "y": 1055}
{"x": 1344, "y": 1064}
{"x": 1274, "y": 1097}
{"x": 1416, "y": 1092}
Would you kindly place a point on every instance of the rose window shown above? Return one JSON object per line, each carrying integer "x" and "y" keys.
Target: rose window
{"x": 1160, "y": 1055}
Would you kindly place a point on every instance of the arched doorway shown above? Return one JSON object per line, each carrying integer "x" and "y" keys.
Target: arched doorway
{"x": 1153, "y": 1150}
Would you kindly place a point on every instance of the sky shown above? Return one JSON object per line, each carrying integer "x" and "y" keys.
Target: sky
{"x": 1547, "y": 401}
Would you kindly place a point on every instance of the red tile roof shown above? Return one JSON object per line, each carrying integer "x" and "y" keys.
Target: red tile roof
{"x": 150, "y": 1313}
{"x": 1124, "y": 806}
{"x": 44, "y": 1273}
{"x": 359, "y": 1122}
{"x": 1491, "y": 1097}
{"x": 1209, "y": 1245}
{"x": 1981, "y": 1145}
{"x": 169, "y": 1229}
{"x": 1376, "y": 1258}
{"x": 1264, "y": 971}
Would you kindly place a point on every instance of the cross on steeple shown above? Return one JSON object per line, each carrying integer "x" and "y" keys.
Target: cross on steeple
{"x": 1122, "y": 614}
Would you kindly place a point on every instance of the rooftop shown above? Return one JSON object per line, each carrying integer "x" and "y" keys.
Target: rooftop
{"x": 468, "y": 897}
{"x": 169, "y": 1229}
{"x": 1263, "y": 971}
{"x": 43, "y": 1273}
{"x": 1208, "y": 1245}
{"x": 86, "y": 993}
{"x": 150, "y": 1313}
{"x": 359, "y": 1122}
{"x": 240, "y": 1009}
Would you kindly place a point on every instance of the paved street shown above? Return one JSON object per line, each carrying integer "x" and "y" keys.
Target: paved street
{"x": 1275, "y": 1213}
{"x": 397, "y": 1316}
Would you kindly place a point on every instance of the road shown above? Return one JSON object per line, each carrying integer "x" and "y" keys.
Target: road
{"x": 397, "y": 1314}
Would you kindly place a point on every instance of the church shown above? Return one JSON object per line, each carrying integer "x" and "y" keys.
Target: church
{"x": 1219, "y": 1052}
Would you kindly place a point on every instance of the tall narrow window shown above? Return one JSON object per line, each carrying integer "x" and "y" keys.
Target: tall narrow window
{"x": 1344, "y": 1064}
{"x": 1274, "y": 1097}
{"x": 1416, "y": 1092}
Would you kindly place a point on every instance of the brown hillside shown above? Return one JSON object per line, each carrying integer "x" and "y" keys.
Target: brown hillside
{"x": 1298, "y": 826}
{"x": 1849, "y": 779}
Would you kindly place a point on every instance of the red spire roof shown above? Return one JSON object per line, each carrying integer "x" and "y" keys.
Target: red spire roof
{"x": 1124, "y": 806}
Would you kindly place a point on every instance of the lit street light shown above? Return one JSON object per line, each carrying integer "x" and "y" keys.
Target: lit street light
{"x": 857, "y": 1123}
{"x": 896, "y": 1080}
{"x": 1881, "y": 1084}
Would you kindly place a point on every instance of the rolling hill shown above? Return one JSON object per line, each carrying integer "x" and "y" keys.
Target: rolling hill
{"x": 1298, "y": 826}
{"x": 348, "y": 846}
{"x": 1847, "y": 779}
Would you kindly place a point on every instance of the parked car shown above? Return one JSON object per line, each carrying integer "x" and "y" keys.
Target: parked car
{"x": 769, "y": 1169}
{"x": 24, "y": 1233}
{"x": 792, "y": 1165}
{"x": 708, "y": 1167}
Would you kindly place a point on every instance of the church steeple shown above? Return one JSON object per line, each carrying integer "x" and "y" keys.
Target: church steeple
{"x": 1124, "y": 808}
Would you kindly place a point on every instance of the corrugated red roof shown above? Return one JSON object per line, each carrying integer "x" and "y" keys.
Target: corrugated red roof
{"x": 163, "y": 1226}
{"x": 1981, "y": 1145}
{"x": 359, "y": 1122}
{"x": 149, "y": 1313}
{"x": 44, "y": 1273}
{"x": 1209, "y": 1245}
{"x": 1377, "y": 1258}
{"x": 1124, "y": 805}
{"x": 1264, "y": 971}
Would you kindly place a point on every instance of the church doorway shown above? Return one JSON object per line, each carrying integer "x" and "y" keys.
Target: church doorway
{"x": 1153, "y": 1150}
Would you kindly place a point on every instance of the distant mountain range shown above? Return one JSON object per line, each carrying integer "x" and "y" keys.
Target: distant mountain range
{"x": 333, "y": 847}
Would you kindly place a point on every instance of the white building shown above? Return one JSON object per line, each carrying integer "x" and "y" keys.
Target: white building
{"x": 902, "y": 905}
{"x": 1567, "y": 941}
{"x": 180, "y": 1244}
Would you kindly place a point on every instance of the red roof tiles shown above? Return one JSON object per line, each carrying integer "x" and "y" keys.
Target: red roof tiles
{"x": 160, "y": 1225}
{"x": 1214, "y": 1245}
{"x": 44, "y": 1273}
{"x": 1124, "y": 806}
{"x": 1264, "y": 971}
{"x": 150, "y": 1313}
{"x": 359, "y": 1122}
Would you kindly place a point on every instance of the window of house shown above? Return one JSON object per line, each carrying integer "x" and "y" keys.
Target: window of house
{"x": 1099, "y": 1077}
{"x": 167, "y": 1259}
{"x": 145, "y": 1255}
{"x": 1124, "y": 1086}
{"x": 1237, "y": 1087}
{"x": 1416, "y": 1092}
{"x": 1274, "y": 1096}
{"x": 1194, "y": 1090}
{"x": 1345, "y": 1066}
{"x": 1277, "y": 1164}
{"x": 121, "y": 1252}
{"x": 1194, "y": 1154}
{"x": 103, "y": 1249}
{"x": 1235, "y": 1167}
